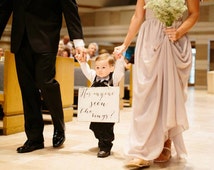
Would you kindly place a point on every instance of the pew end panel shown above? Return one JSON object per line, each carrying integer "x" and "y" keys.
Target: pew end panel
{"x": 79, "y": 81}
{"x": 128, "y": 87}
{"x": 65, "y": 77}
{"x": 10, "y": 98}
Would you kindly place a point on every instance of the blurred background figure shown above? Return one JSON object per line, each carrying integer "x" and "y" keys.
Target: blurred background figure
{"x": 92, "y": 50}
{"x": 1, "y": 54}
{"x": 59, "y": 52}
{"x": 103, "y": 50}
{"x": 65, "y": 43}
{"x": 66, "y": 52}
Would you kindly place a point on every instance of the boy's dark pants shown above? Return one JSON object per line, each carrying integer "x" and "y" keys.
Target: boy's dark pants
{"x": 104, "y": 132}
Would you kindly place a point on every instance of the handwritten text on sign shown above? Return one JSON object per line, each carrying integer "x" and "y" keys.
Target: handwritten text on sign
{"x": 98, "y": 104}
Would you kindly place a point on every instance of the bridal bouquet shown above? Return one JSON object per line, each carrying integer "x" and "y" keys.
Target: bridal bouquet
{"x": 167, "y": 11}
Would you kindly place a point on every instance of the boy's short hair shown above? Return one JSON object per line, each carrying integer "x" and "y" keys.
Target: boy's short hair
{"x": 106, "y": 56}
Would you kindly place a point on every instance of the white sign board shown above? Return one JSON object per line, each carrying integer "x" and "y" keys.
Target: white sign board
{"x": 98, "y": 104}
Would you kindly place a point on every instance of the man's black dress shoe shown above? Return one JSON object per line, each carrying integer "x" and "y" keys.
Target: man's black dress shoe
{"x": 58, "y": 138}
{"x": 103, "y": 154}
{"x": 30, "y": 146}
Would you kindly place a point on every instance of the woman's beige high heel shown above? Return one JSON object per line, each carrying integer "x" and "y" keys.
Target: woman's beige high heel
{"x": 138, "y": 163}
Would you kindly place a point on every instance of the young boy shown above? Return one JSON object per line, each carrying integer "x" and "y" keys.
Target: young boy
{"x": 107, "y": 72}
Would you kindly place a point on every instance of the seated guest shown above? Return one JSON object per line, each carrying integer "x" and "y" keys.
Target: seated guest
{"x": 1, "y": 54}
{"x": 66, "y": 52}
{"x": 92, "y": 50}
{"x": 65, "y": 43}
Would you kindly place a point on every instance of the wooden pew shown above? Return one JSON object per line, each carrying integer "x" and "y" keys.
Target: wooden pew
{"x": 128, "y": 87}
{"x": 79, "y": 81}
{"x": 65, "y": 77}
{"x": 10, "y": 97}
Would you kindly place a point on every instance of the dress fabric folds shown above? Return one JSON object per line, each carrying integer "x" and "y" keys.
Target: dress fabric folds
{"x": 160, "y": 78}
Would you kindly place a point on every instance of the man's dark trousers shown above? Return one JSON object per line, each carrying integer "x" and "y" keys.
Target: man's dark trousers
{"x": 36, "y": 74}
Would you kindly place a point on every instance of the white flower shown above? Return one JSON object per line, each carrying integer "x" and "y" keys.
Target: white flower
{"x": 167, "y": 11}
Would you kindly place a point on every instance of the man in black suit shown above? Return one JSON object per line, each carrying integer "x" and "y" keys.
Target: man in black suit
{"x": 35, "y": 35}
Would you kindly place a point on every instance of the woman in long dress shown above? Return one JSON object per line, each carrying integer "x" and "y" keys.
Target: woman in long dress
{"x": 160, "y": 77}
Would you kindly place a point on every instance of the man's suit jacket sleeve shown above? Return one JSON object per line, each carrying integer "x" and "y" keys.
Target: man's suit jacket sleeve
{"x": 72, "y": 19}
{"x": 5, "y": 12}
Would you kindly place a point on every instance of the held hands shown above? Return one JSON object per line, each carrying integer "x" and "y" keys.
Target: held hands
{"x": 118, "y": 51}
{"x": 81, "y": 54}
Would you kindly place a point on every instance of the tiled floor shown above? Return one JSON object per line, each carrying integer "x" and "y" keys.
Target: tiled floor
{"x": 79, "y": 151}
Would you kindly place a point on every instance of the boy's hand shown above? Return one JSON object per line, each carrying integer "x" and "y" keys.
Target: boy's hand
{"x": 80, "y": 54}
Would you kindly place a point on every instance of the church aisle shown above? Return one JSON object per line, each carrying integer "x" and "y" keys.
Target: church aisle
{"x": 79, "y": 150}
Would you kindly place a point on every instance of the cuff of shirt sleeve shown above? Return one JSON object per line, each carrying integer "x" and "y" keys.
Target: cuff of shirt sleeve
{"x": 78, "y": 43}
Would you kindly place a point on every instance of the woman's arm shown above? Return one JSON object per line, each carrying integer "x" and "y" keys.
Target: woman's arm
{"x": 136, "y": 21}
{"x": 193, "y": 14}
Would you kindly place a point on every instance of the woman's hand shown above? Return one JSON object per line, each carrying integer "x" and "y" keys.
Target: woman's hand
{"x": 118, "y": 51}
{"x": 172, "y": 33}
